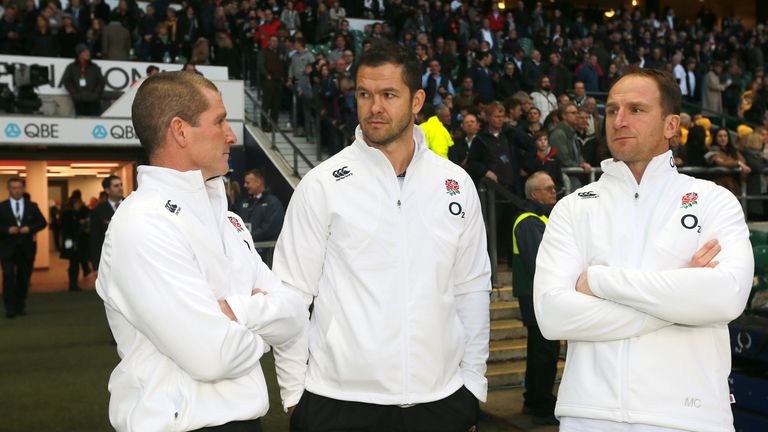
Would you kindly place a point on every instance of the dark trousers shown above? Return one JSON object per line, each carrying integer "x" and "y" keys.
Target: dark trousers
{"x": 270, "y": 103}
{"x": 17, "y": 269}
{"x": 74, "y": 270}
{"x": 234, "y": 426}
{"x": 456, "y": 413}
{"x": 540, "y": 364}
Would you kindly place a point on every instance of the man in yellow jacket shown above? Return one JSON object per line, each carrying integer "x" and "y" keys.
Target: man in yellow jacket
{"x": 437, "y": 134}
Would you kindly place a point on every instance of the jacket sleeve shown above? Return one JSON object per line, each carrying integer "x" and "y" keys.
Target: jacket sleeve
{"x": 298, "y": 261}
{"x": 279, "y": 316}
{"x": 564, "y": 313}
{"x": 472, "y": 278}
{"x": 170, "y": 302}
{"x": 38, "y": 222}
{"x": 691, "y": 296}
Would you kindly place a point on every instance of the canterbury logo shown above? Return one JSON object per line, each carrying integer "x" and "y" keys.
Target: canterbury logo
{"x": 341, "y": 173}
{"x": 588, "y": 194}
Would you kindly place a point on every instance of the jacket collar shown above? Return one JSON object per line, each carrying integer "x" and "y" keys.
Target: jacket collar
{"x": 378, "y": 156}
{"x": 661, "y": 165}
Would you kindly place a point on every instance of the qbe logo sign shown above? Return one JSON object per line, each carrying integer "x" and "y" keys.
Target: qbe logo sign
{"x": 12, "y": 130}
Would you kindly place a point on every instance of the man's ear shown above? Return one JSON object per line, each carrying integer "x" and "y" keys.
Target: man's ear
{"x": 671, "y": 125}
{"x": 178, "y": 131}
{"x": 418, "y": 101}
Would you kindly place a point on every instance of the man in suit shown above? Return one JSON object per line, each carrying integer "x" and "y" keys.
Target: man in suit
{"x": 262, "y": 212}
{"x": 20, "y": 220}
{"x": 102, "y": 215}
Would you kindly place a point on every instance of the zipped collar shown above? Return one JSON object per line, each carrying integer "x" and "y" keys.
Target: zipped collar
{"x": 208, "y": 194}
{"x": 377, "y": 156}
{"x": 660, "y": 166}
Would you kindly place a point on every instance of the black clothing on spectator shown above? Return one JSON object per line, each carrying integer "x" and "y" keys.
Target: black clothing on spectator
{"x": 17, "y": 253}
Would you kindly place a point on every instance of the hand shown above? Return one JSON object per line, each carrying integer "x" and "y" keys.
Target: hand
{"x": 24, "y": 230}
{"x": 703, "y": 257}
{"x": 586, "y": 167}
{"x": 13, "y": 230}
{"x": 258, "y": 291}
{"x": 582, "y": 285}
{"x": 490, "y": 174}
{"x": 227, "y": 310}
{"x": 291, "y": 410}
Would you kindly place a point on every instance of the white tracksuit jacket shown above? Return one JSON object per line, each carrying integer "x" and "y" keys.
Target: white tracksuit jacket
{"x": 653, "y": 346}
{"x": 400, "y": 280}
{"x": 170, "y": 252}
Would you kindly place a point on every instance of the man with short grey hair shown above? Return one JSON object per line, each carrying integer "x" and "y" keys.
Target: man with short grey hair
{"x": 542, "y": 354}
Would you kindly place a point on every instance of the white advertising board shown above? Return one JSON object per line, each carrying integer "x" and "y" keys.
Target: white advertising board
{"x": 64, "y": 131}
{"x": 118, "y": 74}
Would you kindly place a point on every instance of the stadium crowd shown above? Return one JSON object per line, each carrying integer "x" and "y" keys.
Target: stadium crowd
{"x": 509, "y": 91}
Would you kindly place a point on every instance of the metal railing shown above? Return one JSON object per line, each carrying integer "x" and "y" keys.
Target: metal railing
{"x": 488, "y": 191}
{"x": 275, "y": 129}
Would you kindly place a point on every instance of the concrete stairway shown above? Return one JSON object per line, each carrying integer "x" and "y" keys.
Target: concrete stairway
{"x": 506, "y": 362}
{"x": 284, "y": 149}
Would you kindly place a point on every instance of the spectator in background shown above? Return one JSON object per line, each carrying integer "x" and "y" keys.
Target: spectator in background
{"x": 436, "y": 84}
{"x": 579, "y": 93}
{"x": 261, "y": 211}
{"x": 533, "y": 69}
{"x": 724, "y": 153}
{"x": 543, "y": 98}
{"x": 542, "y": 354}
{"x": 711, "y": 100}
{"x": 308, "y": 22}
{"x": 563, "y": 139}
{"x": 509, "y": 82}
{"x": 324, "y": 26}
{"x": 589, "y": 74}
{"x": 695, "y": 147}
{"x": 467, "y": 98}
{"x": 116, "y": 41}
{"x": 101, "y": 216}
{"x": 459, "y": 151}
{"x": 227, "y": 54}
{"x": 560, "y": 79}
{"x": 42, "y": 42}
{"x": 305, "y": 94}
{"x": 11, "y": 32}
{"x": 482, "y": 77}
{"x": 436, "y": 133}
{"x": 337, "y": 13}
{"x": 93, "y": 38}
{"x": 74, "y": 228}
{"x": 84, "y": 83}
{"x": 20, "y": 220}
{"x": 290, "y": 18}
{"x": 100, "y": 10}
{"x": 188, "y": 30}
{"x": 162, "y": 49}
{"x": 68, "y": 36}
{"x": 493, "y": 157}
{"x": 201, "y": 52}
{"x": 267, "y": 29}
{"x": 80, "y": 13}
{"x": 146, "y": 30}
{"x": 271, "y": 77}
{"x": 542, "y": 157}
